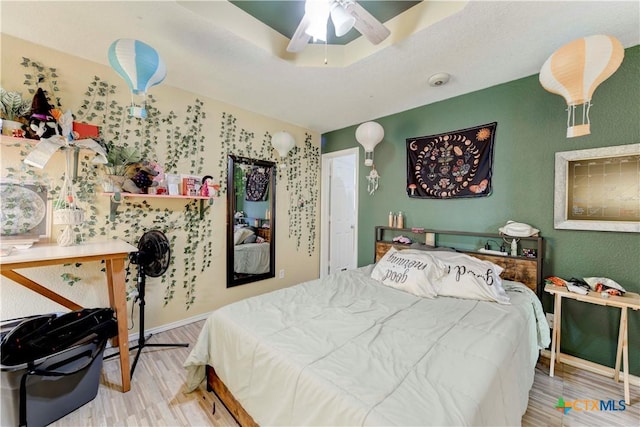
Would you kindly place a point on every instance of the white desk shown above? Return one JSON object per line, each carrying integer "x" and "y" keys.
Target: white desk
{"x": 113, "y": 252}
{"x": 629, "y": 300}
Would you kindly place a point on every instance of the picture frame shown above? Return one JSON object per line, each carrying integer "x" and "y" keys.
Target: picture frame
{"x": 25, "y": 212}
{"x": 597, "y": 189}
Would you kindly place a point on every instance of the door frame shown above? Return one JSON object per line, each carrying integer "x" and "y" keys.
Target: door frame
{"x": 325, "y": 195}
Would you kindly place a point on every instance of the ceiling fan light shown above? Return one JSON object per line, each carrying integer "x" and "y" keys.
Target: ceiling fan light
{"x": 318, "y": 31}
{"x": 342, "y": 20}
{"x": 318, "y": 13}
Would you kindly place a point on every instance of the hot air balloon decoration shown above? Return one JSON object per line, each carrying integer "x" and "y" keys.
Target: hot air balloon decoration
{"x": 369, "y": 134}
{"x": 140, "y": 66}
{"x": 575, "y": 70}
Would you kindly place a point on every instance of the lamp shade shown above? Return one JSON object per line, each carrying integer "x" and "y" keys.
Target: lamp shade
{"x": 283, "y": 142}
{"x": 342, "y": 20}
{"x": 137, "y": 63}
{"x": 318, "y": 13}
{"x": 575, "y": 70}
{"x": 369, "y": 134}
{"x": 140, "y": 66}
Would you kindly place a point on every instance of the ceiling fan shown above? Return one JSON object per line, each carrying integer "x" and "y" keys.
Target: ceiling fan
{"x": 345, "y": 14}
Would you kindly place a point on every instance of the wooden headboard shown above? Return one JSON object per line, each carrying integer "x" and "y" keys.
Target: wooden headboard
{"x": 525, "y": 269}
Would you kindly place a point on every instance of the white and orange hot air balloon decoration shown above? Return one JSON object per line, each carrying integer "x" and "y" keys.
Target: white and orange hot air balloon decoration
{"x": 575, "y": 70}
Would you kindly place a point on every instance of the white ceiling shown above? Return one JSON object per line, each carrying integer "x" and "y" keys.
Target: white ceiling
{"x": 234, "y": 58}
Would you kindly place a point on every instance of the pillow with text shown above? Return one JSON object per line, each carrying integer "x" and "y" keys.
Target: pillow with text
{"x": 469, "y": 278}
{"x": 409, "y": 271}
{"x": 241, "y": 234}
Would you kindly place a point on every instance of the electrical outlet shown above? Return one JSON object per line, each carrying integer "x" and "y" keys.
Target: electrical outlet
{"x": 281, "y": 274}
{"x": 550, "y": 319}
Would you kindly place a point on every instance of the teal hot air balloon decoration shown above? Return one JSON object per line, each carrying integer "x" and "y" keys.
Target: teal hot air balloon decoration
{"x": 140, "y": 66}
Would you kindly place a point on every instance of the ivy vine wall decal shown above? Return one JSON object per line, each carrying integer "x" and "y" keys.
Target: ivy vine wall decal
{"x": 184, "y": 139}
{"x": 301, "y": 173}
{"x": 302, "y": 177}
{"x": 174, "y": 138}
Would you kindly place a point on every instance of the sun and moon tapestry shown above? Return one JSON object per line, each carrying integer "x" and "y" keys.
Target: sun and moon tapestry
{"x": 451, "y": 165}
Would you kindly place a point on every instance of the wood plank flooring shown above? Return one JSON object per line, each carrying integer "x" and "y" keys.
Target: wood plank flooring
{"x": 157, "y": 395}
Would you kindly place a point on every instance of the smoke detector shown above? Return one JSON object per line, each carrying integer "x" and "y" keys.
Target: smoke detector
{"x": 439, "y": 79}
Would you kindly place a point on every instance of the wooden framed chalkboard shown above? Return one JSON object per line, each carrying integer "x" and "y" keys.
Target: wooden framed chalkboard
{"x": 598, "y": 189}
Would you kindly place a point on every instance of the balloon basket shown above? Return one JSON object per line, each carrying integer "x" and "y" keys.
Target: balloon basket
{"x": 138, "y": 112}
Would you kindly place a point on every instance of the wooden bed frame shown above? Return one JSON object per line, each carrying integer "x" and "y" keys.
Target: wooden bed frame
{"x": 527, "y": 270}
{"x": 215, "y": 384}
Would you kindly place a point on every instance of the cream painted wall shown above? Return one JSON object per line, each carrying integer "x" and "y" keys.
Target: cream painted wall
{"x": 211, "y": 292}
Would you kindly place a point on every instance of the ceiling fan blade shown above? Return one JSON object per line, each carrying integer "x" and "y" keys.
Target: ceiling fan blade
{"x": 367, "y": 24}
{"x": 300, "y": 38}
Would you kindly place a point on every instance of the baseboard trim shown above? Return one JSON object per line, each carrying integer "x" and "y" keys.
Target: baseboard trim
{"x": 590, "y": 366}
{"x": 134, "y": 336}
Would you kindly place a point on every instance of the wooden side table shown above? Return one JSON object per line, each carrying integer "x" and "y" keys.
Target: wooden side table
{"x": 265, "y": 233}
{"x": 629, "y": 300}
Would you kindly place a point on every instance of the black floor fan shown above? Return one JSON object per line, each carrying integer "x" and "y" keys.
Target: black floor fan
{"x": 152, "y": 259}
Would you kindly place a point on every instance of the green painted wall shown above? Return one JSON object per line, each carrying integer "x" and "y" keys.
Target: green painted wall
{"x": 531, "y": 129}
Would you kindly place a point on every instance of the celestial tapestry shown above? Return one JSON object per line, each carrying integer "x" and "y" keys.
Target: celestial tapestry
{"x": 451, "y": 165}
{"x": 257, "y": 188}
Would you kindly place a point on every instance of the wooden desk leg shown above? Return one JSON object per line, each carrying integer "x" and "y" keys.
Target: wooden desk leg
{"x": 118, "y": 301}
{"x": 625, "y": 353}
{"x": 616, "y": 375}
{"x": 555, "y": 339}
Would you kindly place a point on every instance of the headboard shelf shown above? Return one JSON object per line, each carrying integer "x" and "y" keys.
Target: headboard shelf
{"x": 381, "y": 229}
{"x": 525, "y": 269}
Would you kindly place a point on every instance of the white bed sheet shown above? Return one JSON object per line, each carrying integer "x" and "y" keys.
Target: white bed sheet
{"x": 251, "y": 258}
{"x": 348, "y": 350}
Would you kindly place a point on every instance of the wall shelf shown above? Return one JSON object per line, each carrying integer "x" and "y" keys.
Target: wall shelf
{"x": 6, "y": 139}
{"x": 115, "y": 200}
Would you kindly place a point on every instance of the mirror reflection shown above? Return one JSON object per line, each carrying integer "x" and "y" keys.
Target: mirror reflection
{"x": 251, "y": 220}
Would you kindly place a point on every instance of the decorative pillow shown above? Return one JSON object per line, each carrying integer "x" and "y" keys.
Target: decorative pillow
{"x": 410, "y": 271}
{"x": 250, "y": 239}
{"x": 469, "y": 278}
{"x": 240, "y": 234}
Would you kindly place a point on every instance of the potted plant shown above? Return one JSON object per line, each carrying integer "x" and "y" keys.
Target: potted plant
{"x": 118, "y": 157}
{"x": 12, "y": 108}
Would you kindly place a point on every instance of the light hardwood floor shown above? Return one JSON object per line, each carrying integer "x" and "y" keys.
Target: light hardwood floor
{"x": 157, "y": 395}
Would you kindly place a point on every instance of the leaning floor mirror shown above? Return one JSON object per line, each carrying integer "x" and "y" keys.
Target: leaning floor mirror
{"x": 251, "y": 208}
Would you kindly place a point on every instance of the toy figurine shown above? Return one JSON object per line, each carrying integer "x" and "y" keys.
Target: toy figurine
{"x": 209, "y": 188}
{"x": 42, "y": 122}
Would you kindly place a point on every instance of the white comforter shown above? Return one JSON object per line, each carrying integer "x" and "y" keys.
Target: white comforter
{"x": 251, "y": 258}
{"x": 348, "y": 350}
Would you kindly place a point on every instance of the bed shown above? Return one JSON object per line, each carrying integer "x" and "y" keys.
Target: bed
{"x": 251, "y": 253}
{"x": 251, "y": 258}
{"x": 350, "y": 350}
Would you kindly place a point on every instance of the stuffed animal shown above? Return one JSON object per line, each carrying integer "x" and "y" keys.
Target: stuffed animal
{"x": 42, "y": 123}
{"x": 139, "y": 177}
